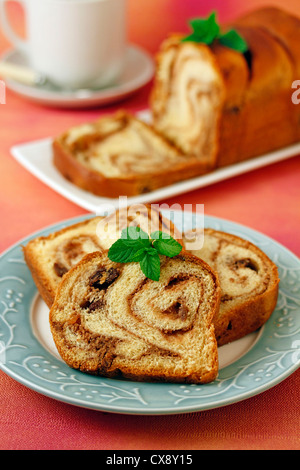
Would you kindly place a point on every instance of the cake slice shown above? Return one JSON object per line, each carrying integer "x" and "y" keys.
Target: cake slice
{"x": 119, "y": 155}
{"x": 248, "y": 280}
{"x": 50, "y": 257}
{"x": 109, "y": 319}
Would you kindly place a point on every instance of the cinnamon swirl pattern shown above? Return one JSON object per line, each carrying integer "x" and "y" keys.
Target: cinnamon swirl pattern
{"x": 109, "y": 319}
{"x": 121, "y": 146}
{"x": 248, "y": 280}
{"x": 49, "y": 258}
{"x": 120, "y": 155}
{"x": 188, "y": 97}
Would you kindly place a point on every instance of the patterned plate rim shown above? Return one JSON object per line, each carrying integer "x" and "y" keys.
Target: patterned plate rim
{"x": 274, "y": 356}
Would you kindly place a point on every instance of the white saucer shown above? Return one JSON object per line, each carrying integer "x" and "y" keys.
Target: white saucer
{"x": 139, "y": 69}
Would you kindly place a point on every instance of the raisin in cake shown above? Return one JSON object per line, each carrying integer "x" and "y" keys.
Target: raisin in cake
{"x": 50, "y": 257}
{"x": 109, "y": 319}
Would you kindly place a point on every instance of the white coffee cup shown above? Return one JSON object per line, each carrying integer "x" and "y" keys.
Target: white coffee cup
{"x": 74, "y": 43}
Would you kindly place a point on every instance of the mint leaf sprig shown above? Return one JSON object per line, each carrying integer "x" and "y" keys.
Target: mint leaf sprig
{"x": 207, "y": 30}
{"x": 135, "y": 245}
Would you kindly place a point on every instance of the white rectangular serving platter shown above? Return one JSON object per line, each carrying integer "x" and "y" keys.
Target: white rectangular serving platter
{"x": 36, "y": 157}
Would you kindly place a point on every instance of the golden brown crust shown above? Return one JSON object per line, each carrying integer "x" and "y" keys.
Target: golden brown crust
{"x": 285, "y": 29}
{"x": 45, "y": 288}
{"x": 247, "y": 309}
{"x": 111, "y": 350}
{"x": 265, "y": 120}
{"x": 115, "y": 187}
{"x": 283, "y": 26}
{"x": 253, "y": 312}
{"x": 246, "y": 318}
{"x": 91, "y": 181}
{"x": 44, "y": 282}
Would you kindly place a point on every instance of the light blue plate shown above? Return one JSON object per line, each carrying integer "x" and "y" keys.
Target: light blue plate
{"x": 247, "y": 367}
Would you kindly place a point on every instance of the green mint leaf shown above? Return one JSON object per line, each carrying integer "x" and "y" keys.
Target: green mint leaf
{"x": 138, "y": 255}
{"x": 122, "y": 252}
{"x": 168, "y": 248}
{"x": 191, "y": 38}
{"x": 134, "y": 239}
{"x": 136, "y": 246}
{"x": 158, "y": 235}
{"x": 131, "y": 245}
{"x": 150, "y": 264}
{"x": 135, "y": 233}
{"x": 234, "y": 40}
{"x": 207, "y": 30}
{"x": 165, "y": 244}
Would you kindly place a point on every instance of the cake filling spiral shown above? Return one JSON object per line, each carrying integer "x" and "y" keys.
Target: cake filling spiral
{"x": 118, "y": 321}
{"x": 187, "y": 97}
{"x": 242, "y": 271}
{"x": 248, "y": 280}
{"x": 120, "y": 146}
{"x": 72, "y": 250}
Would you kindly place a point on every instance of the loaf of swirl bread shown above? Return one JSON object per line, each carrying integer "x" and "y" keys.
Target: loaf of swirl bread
{"x": 248, "y": 280}
{"x": 109, "y": 319}
{"x": 212, "y": 106}
{"x": 120, "y": 155}
{"x": 50, "y": 257}
{"x": 208, "y": 97}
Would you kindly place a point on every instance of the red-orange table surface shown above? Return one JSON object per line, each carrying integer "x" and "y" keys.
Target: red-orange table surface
{"x": 267, "y": 200}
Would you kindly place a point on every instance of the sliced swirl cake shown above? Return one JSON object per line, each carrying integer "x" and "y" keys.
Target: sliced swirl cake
{"x": 49, "y": 258}
{"x": 248, "y": 280}
{"x": 212, "y": 97}
{"x": 187, "y": 98}
{"x": 109, "y": 319}
{"x": 120, "y": 155}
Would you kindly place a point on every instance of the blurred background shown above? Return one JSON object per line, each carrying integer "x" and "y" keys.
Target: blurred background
{"x": 150, "y": 21}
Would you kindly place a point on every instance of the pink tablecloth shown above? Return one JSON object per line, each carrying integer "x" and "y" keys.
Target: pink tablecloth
{"x": 267, "y": 200}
